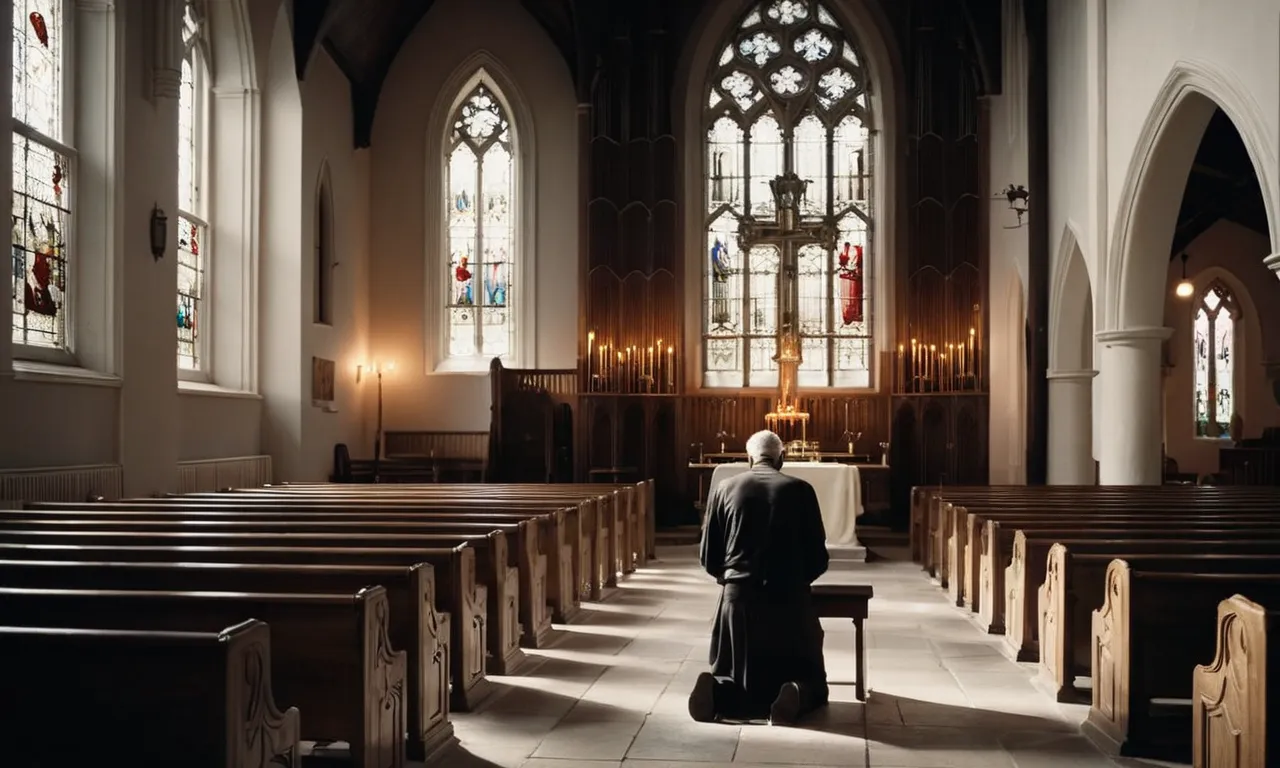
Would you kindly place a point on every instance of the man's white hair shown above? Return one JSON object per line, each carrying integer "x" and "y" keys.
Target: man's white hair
{"x": 764, "y": 445}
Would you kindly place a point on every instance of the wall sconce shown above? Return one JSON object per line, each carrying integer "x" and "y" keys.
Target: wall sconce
{"x": 1018, "y": 198}
{"x": 159, "y": 233}
{"x": 1185, "y": 288}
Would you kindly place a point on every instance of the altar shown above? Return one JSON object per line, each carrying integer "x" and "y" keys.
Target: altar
{"x": 839, "y": 490}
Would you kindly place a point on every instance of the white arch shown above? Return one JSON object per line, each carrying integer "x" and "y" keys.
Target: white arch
{"x": 886, "y": 89}
{"x": 1070, "y": 306}
{"x": 1152, "y": 191}
{"x": 482, "y": 65}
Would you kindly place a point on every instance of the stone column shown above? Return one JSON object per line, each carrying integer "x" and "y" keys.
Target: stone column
{"x": 1132, "y": 408}
{"x": 1071, "y": 427}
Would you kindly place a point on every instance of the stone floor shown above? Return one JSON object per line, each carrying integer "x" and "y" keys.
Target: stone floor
{"x": 611, "y": 691}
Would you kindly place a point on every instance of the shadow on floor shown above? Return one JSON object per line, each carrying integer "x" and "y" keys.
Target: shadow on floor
{"x": 896, "y": 720}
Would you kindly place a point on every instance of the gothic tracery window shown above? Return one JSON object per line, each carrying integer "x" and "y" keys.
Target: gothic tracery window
{"x": 480, "y": 227}
{"x": 193, "y": 225}
{"x": 1214, "y": 361}
{"x": 43, "y": 174}
{"x": 788, "y": 92}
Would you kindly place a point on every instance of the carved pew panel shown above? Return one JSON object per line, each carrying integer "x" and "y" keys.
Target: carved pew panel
{"x": 1231, "y": 695}
{"x": 224, "y": 712}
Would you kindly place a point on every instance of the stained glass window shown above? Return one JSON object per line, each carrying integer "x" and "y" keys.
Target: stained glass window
{"x": 479, "y": 172}
{"x": 192, "y": 226}
{"x": 43, "y": 172}
{"x": 1213, "y": 356}
{"x": 788, "y": 93}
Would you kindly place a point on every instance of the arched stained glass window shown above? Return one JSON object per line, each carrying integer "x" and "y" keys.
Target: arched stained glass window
{"x": 788, "y": 93}
{"x": 193, "y": 224}
{"x": 1214, "y": 359}
{"x": 479, "y": 171}
{"x": 44, "y": 165}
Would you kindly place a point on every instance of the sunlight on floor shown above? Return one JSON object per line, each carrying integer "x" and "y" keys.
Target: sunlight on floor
{"x": 611, "y": 690}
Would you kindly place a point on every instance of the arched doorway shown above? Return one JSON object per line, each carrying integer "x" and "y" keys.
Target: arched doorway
{"x": 1131, "y": 347}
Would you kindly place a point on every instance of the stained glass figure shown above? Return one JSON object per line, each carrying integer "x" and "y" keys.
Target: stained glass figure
{"x": 193, "y": 227}
{"x": 1213, "y": 376}
{"x": 480, "y": 228}
{"x": 191, "y": 281}
{"x": 788, "y": 94}
{"x": 42, "y": 173}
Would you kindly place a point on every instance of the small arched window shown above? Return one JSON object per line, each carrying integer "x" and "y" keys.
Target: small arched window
{"x": 481, "y": 280}
{"x": 788, "y": 93}
{"x": 1214, "y": 360}
{"x": 193, "y": 222}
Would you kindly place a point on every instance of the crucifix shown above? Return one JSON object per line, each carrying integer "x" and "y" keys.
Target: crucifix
{"x": 788, "y": 233}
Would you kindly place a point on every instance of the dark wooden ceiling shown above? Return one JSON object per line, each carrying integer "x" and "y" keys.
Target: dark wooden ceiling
{"x": 1222, "y": 185}
{"x": 364, "y": 36}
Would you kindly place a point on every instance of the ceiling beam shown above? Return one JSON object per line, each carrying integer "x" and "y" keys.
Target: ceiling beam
{"x": 311, "y": 22}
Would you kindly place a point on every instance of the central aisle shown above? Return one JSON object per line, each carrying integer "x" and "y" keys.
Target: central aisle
{"x": 612, "y": 690}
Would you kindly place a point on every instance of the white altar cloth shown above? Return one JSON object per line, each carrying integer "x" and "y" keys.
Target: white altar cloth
{"x": 838, "y": 486}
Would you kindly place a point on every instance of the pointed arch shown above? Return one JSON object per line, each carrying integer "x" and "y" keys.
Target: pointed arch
{"x": 480, "y": 147}
{"x": 1153, "y": 185}
{"x": 195, "y": 183}
{"x": 1071, "y": 307}
{"x": 722, "y": 31}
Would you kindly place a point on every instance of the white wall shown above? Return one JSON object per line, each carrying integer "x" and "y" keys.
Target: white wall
{"x": 1110, "y": 65}
{"x": 1234, "y": 254}
{"x": 134, "y": 412}
{"x": 1006, "y": 304}
{"x": 406, "y": 262}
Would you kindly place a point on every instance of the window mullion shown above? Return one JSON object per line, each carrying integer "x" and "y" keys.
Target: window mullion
{"x": 477, "y": 301}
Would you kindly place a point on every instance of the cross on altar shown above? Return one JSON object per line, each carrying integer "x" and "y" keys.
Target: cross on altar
{"x": 789, "y": 233}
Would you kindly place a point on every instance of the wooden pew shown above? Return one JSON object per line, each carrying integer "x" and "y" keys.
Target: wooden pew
{"x": 222, "y": 714}
{"x": 964, "y": 546}
{"x": 1075, "y": 587}
{"x": 628, "y": 510}
{"x": 949, "y": 535}
{"x": 531, "y": 565}
{"x": 330, "y": 653}
{"x": 501, "y": 581}
{"x": 414, "y": 624}
{"x": 563, "y": 545}
{"x": 993, "y": 550}
{"x": 595, "y": 526}
{"x": 1146, "y": 639}
{"x": 1026, "y": 571}
{"x": 457, "y": 592}
{"x": 1231, "y": 695}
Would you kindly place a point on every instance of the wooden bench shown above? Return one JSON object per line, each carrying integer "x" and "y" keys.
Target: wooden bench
{"x": 847, "y": 601}
{"x": 123, "y": 683}
{"x": 1147, "y": 638}
{"x": 534, "y": 618}
{"x": 1027, "y": 569}
{"x": 947, "y": 535}
{"x": 1076, "y": 587}
{"x": 1232, "y": 694}
{"x": 994, "y": 547}
{"x": 330, "y": 653}
{"x": 457, "y": 592}
{"x": 414, "y": 625}
{"x": 561, "y": 542}
{"x": 501, "y": 581}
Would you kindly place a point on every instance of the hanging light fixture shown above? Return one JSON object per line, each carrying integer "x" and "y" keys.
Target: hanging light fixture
{"x": 1185, "y": 288}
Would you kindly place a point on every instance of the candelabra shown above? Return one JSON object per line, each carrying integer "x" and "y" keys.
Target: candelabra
{"x": 943, "y": 366}
{"x": 631, "y": 369}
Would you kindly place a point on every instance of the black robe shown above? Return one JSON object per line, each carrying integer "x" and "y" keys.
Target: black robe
{"x": 764, "y": 541}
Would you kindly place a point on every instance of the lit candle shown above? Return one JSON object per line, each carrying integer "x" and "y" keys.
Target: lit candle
{"x": 933, "y": 362}
{"x": 591, "y": 340}
{"x": 651, "y": 381}
{"x": 671, "y": 368}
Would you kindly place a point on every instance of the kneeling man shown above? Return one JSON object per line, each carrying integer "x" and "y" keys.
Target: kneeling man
{"x": 763, "y": 541}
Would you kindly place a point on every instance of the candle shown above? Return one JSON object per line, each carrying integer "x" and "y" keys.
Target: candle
{"x": 671, "y": 369}
{"x": 591, "y": 339}
{"x": 652, "y": 380}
